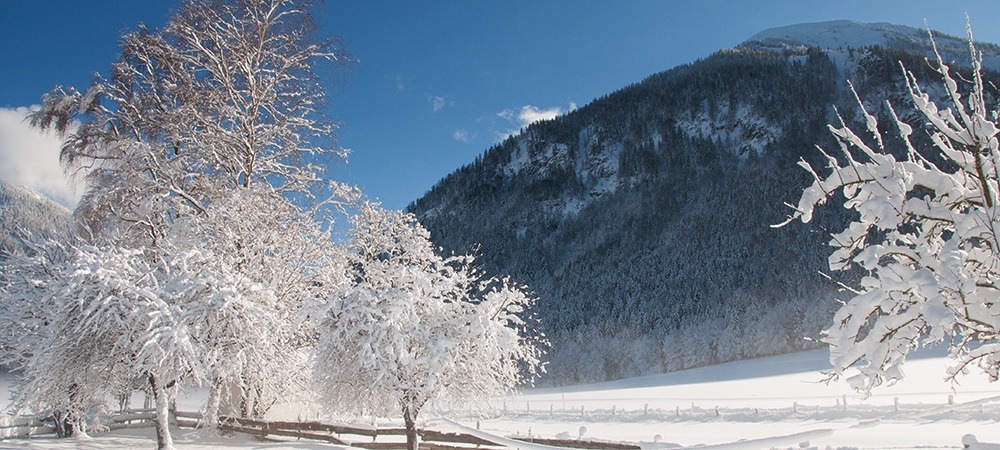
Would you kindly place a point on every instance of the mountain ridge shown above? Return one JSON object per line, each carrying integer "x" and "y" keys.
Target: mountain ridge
{"x": 642, "y": 220}
{"x": 849, "y": 34}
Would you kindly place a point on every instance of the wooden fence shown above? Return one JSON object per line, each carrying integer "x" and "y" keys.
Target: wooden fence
{"x": 352, "y": 435}
{"x": 23, "y": 426}
{"x": 134, "y": 418}
{"x": 367, "y": 437}
{"x": 143, "y": 418}
{"x": 578, "y": 443}
{"x": 340, "y": 434}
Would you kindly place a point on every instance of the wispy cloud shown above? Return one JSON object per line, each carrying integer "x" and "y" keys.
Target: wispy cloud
{"x": 437, "y": 102}
{"x": 31, "y": 158}
{"x": 397, "y": 82}
{"x": 462, "y": 136}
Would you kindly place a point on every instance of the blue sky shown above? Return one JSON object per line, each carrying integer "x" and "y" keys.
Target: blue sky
{"x": 435, "y": 83}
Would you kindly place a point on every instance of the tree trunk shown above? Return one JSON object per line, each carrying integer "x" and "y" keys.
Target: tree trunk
{"x": 74, "y": 422}
{"x": 246, "y": 400}
{"x": 163, "y": 439}
{"x": 211, "y": 415}
{"x": 80, "y": 426}
{"x": 60, "y": 420}
{"x": 410, "y": 418}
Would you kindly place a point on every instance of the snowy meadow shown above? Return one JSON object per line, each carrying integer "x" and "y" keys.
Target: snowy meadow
{"x": 776, "y": 402}
{"x": 208, "y": 278}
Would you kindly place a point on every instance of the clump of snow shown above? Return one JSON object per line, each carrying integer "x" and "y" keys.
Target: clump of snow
{"x": 970, "y": 442}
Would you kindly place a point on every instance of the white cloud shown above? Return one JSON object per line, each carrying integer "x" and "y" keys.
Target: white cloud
{"x": 507, "y": 114}
{"x": 461, "y": 136}
{"x": 530, "y": 114}
{"x": 437, "y": 102}
{"x": 31, "y": 158}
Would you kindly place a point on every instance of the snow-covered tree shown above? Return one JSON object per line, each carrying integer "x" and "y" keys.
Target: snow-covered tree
{"x": 416, "y": 328}
{"x": 226, "y": 96}
{"x": 215, "y": 305}
{"x": 265, "y": 267}
{"x": 927, "y": 233}
{"x": 197, "y": 140}
{"x": 93, "y": 318}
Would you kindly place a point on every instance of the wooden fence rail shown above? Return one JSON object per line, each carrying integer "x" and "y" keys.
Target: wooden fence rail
{"x": 430, "y": 439}
{"x": 305, "y": 426}
{"x": 134, "y": 418}
{"x": 327, "y": 432}
{"x": 23, "y": 426}
{"x": 578, "y": 443}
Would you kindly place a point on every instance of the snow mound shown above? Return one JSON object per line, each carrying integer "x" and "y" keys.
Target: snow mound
{"x": 970, "y": 442}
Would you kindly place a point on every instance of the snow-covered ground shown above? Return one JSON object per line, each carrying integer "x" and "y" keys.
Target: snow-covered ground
{"x": 758, "y": 404}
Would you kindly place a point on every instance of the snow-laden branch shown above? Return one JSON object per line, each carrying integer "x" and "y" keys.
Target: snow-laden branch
{"x": 927, "y": 236}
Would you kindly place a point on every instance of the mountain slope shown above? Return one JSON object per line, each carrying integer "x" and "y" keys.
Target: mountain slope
{"x": 24, "y": 210}
{"x": 848, "y": 34}
{"x": 642, "y": 220}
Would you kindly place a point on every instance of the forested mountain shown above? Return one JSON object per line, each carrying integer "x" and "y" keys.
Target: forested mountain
{"x": 642, "y": 220}
{"x": 24, "y": 210}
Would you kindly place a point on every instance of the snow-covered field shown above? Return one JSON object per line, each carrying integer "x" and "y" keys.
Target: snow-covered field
{"x": 758, "y": 404}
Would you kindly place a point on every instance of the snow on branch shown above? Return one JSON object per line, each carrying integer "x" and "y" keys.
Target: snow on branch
{"x": 415, "y": 328}
{"x": 926, "y": 235}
